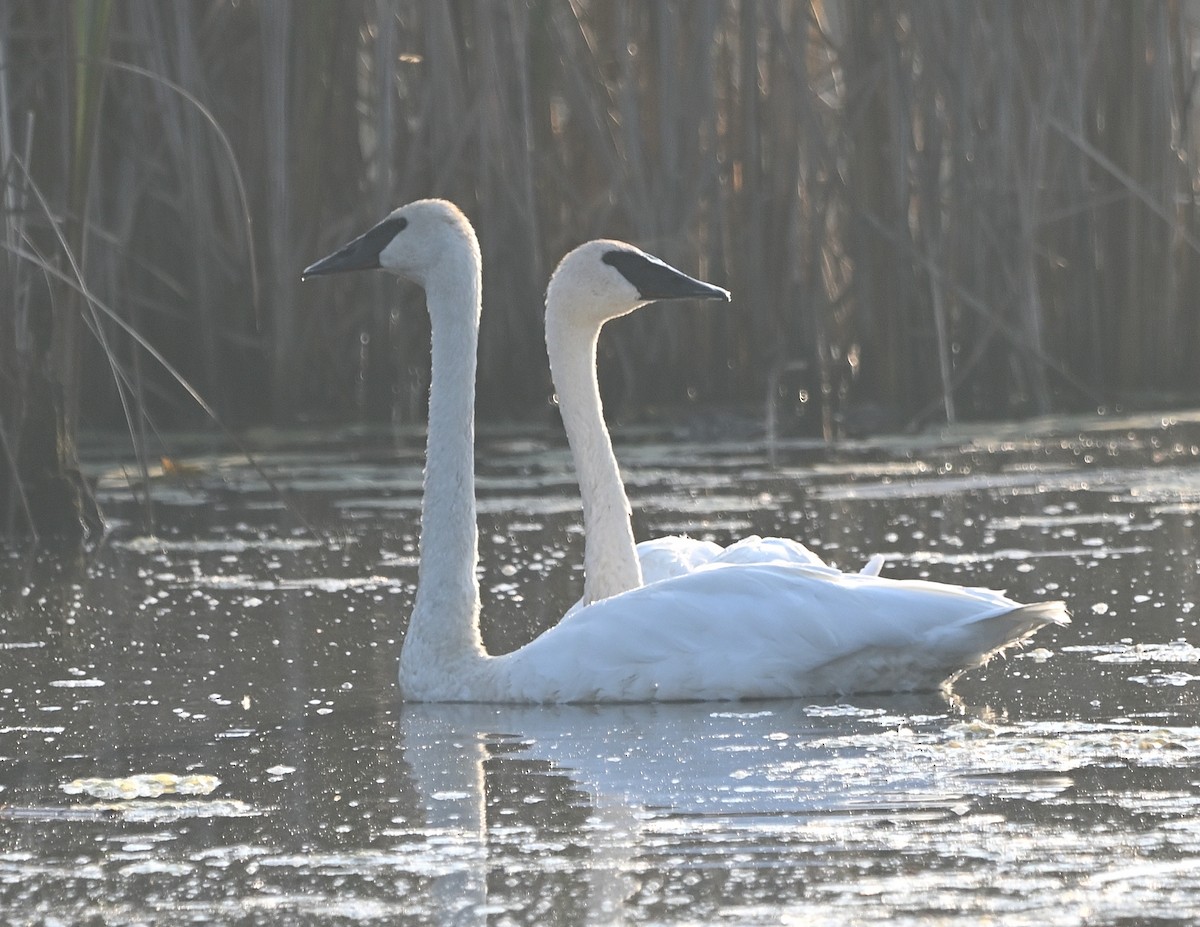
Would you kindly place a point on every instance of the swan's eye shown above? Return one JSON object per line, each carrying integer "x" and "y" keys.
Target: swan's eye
{"x": 381, "y": 236}
{"x": 390, "y": 228}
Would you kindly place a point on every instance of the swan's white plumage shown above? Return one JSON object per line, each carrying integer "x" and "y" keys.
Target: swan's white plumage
{"x": 723, "y": 630}
{"x": 668, "y": 557}
{"x": 700, "y": 637}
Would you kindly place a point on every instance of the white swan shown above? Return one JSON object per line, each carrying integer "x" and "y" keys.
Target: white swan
{"x": 689, "y": 638}
{"x": 597, "y": 282}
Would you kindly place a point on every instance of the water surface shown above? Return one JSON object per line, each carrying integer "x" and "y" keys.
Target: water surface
{"x": 199, "y": 720}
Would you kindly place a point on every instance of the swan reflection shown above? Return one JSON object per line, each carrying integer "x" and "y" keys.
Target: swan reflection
{"x": 593, "y": 801}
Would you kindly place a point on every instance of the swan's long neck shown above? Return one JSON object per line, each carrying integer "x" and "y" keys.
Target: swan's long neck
{"x": 610, "y": 556}
{"x": 443, "y": 640}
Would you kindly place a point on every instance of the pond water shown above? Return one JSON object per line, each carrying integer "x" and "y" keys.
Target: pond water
{"x": 199, "y": 722}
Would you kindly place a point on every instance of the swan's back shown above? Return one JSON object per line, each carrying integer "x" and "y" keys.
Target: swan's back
{"x": 669, "y": 557}
{"x": 765, "y": 631}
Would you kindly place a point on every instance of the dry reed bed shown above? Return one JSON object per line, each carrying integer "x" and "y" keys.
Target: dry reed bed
{"x": 940, "y": 209}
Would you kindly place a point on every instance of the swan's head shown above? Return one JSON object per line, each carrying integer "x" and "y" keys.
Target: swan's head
{"x": 415, "y": 242}
{"x": 604, "y": 279}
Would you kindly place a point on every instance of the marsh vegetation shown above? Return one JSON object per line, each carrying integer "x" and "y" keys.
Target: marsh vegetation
{"x": 925, "y": 210}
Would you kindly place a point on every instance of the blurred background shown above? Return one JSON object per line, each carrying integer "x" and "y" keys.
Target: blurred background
{"x": 927, "y": 210}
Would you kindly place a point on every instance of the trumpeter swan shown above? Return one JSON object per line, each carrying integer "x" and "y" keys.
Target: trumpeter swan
{"x": 597, "y": 282}
{"x": 778, "y": 634}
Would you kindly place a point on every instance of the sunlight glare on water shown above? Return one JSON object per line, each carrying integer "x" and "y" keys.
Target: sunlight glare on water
{"x": 199, "y": 723}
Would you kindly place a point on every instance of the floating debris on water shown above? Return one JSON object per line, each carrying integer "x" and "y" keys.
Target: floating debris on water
{"x": 146, "y": 785}
{"x": 971, "y": 730}
{"x": 1172, "y": 652}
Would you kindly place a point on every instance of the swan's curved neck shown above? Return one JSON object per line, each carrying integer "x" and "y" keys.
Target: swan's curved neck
{"x": 610, "y": 556}
{"x": 443, "y": 633}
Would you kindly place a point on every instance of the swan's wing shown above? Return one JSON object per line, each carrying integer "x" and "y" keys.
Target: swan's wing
{"x": 765, "y": 631}
{"x": 666, "y": 558}
{"x": 669, "y": 557}
{"x": 755, "y": 549}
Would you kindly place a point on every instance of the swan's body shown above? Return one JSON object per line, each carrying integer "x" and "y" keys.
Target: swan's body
{"x": 688, "y": 638}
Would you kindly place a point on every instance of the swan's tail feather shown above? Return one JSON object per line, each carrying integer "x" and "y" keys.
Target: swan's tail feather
{"x": 874, "y": 566}
{"x": 1002, "y": 631}
{"x": 1047, "y": 612}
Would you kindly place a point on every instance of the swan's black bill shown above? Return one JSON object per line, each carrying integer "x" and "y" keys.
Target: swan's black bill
{"x": 656, "y": 280}
{"x": 360, "y": 254}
